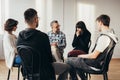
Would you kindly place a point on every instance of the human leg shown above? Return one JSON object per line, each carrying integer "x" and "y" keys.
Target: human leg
{"x": 17, "y": 59}
{"x": 61, "y": 69}
{"x": 76, "y": 63}
{"x": 56, "y": 54}
{"x": 81, "y": 74}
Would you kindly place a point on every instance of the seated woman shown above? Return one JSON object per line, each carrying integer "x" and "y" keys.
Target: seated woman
{"x": 9, "y": 43}
{"x": 81, "y": 40}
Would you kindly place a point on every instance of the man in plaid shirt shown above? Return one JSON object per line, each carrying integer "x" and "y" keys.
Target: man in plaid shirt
{"x": 57, "y": 41}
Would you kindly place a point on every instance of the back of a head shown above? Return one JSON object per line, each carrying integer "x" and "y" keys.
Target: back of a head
{"x": 9, "y": 24}
{"x": 29, "y": 15}
{"x": 105, "y": 19}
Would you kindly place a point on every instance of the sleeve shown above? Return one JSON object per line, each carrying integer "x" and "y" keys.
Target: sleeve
{"x": 48, "y": 51}
{"x": 102, "y": 43}
{"x": 50, "y": 37}
{"x": 62, "y": 44}
{"x": 81, "y": 41}
{"x": 74, "y": 43}
{"x": 12, "y": 42}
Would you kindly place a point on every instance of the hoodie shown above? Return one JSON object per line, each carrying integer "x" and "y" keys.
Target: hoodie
{"x": 38, "y": 41}
{"x": 110, "y": 33}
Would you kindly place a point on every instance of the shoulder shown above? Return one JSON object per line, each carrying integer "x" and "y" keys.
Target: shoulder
{"x": 62, "y": 33}
{"x": 88, "y": 33}
{"x": 102, "y": 43}
{"x": 42, "y": 34}
{"x": 50, "y": 32}
{"x": 6, "y": 35}
{"x": 104, "y": 38}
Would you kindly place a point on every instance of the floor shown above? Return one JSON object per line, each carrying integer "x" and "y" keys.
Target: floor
{"x": 113, "y": 74}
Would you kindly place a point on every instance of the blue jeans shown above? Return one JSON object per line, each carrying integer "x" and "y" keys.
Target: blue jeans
{"x": 17, "y": 59}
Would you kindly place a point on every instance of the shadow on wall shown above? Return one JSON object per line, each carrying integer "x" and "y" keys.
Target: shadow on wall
{"x": 1, "y": 47}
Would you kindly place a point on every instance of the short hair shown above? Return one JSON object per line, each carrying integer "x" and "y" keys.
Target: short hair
{"x": 9, "y": 24}
{"x": 54, "y": 21}
{"x": 29, "y": 14}
{"x": 105, "y": 19}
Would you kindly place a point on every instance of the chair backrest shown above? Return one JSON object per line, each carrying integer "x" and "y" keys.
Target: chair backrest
{"x": 30, "y": 60}
{"x": 102, "y": 60}
{"x": 89, "y": 45}
{"x": 109, "y": 53}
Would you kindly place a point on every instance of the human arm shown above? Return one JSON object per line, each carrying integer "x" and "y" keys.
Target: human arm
{"x": 81, "y": 41}
{"x": 48, "y": 52}
{"x": 102, "y": 44}
{"x": 12, "y": 42}
{"x": 62, "y": 41}
{"x": 91, "y": 55}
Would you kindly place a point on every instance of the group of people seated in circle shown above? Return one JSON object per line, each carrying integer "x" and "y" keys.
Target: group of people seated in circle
{"x": 51, "y": 46}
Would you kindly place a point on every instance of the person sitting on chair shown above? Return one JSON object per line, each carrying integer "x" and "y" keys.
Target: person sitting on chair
{"x": 83, "y": 61}
{"x": 9, "y": 43}
{"x": 81, "y": 40}
{"x": 39, "y": 41}
{"x": 57, "y": 41}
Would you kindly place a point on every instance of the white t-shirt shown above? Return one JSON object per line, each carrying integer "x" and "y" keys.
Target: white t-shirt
{"x": 102, "y": 43}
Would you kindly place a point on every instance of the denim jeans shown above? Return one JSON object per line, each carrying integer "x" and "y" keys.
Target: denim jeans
{"x": 76, "y": 66}
{"x": 17, "y": 59}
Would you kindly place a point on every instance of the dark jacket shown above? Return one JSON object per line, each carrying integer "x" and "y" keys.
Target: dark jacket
{"x": 40, "y": 42}
{"x": 81, "y": 42}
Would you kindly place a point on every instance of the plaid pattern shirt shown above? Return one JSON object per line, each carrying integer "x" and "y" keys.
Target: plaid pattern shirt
{"x": 60, "y": 38}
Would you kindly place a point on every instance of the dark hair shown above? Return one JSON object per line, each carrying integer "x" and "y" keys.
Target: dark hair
{"x": 54, "y": 21}
{"x": 10, "y": 24}
{"x": 81, "y": 25}
{"x": 105, "y": 19}
{"x": 29, "y": 14}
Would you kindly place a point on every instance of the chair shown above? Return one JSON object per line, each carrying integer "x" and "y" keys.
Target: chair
{"x": 105, "y": 63}
{"x": 29, "y": 56}
{"x": 17, "y": 66}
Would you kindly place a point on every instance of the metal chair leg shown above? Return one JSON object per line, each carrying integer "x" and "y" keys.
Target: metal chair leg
{"x": 8, "y": 75}
{"x": 18, "y": 72}
{"x": 105, "y": 76}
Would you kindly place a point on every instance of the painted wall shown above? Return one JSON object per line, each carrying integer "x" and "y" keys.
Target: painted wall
{"x": 67, "y": 12}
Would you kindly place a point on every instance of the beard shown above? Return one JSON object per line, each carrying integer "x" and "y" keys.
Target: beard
{"x": 37, "y": 25}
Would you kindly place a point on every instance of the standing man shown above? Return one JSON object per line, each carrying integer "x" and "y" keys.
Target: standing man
{"x": 94, "y": 59}
{"x": 38, "y": 41}
{"x": 57, "y": 41}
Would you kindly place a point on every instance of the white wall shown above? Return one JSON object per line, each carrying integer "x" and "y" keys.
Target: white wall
{"x": 67, "y": 13}
{"x": 98, "y": 7}
{"x": 1, "y": 48}
{"x": 110, "y": 7}
{"x": 14, "y": 9}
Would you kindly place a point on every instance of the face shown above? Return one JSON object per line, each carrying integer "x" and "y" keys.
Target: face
{"x": 55, "y": 27}
{"x": 14, "y": 28}
{"x": 99, "y": 25}
{"x": 79, "y": 29}
{"x": 37, "y": 21}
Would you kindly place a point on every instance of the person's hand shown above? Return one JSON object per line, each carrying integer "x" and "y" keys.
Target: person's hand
{"x": 54, "y": 44}
{"x": 77, "y": 32}
{"x": 79, "y": 55}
